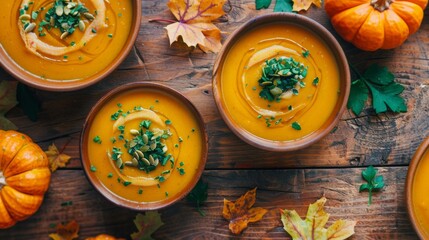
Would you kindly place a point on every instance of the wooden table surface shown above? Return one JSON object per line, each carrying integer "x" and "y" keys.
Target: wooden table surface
{"x": 331, "y": 167}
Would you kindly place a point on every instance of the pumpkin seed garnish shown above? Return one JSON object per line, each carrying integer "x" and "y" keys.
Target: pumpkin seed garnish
{"x": 29, "y": 28}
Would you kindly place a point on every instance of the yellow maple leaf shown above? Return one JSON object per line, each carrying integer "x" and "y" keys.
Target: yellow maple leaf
{"x": 240, "y": 212}
{"x": 194, "y": 23}
{"x": 299, "y": 5}
{"x": 312, "y": 228}
{"x": 56, "y": 159}
{"x": 66, "y": 232}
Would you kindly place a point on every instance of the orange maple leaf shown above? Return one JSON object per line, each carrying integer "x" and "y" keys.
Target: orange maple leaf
{"x": 299, "y": 5}
{"x": 66, "y": 232}
{"x": 194, "y": 23}
{"x": 56, "y": 158}
{"x": 240, "y": 212}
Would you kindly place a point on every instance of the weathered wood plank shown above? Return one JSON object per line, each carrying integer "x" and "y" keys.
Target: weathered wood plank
{"x": 388, "y": 139}
{"x": 386, "y": 218}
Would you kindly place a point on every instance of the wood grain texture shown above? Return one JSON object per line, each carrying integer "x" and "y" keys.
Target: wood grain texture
{"x": 387, "y": 139}
{"x": 295, "y": 189}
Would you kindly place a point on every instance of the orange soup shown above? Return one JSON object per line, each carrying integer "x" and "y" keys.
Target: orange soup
{"x": 279, "y": 82}
{"x": 145, "y": 145}
{"x": 60, "y": 40}
{"x": 420, "y": 194}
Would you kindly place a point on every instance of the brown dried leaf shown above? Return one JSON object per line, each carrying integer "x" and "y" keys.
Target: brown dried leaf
{"x": 299, "y": 5}
{"x": 194, "y": 23}
{"x": 56, "y": 159}
{"x": 240, "y": 212}
{"x": 66, "y": 232}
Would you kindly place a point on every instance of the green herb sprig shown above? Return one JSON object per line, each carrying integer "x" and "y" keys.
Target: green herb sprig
{"x": 375, "y": 183}
{"x": 281, "y": 5}
{"x": 384, "y": 90}
{"x": 281, "y": 75}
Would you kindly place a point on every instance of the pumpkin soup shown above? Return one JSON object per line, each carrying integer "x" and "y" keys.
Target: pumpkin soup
{"x": 279, "y": 82}
{"x": 64, "y": 40}
{"x": 145, "y": 145}
{"x": 420, "y": 194}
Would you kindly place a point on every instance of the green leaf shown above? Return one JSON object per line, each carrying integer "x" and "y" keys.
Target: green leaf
{"x": 262, "y": 4}
{"x": 7, "y": 102}
{"x": 388, "y": 96}
{"x": 358, "y": 96}
{"x": 283, "y": 6}
{"x": 199, "y": 195}
{"x": 296, "y": 126}
{"x": 379, "y": 75}
{"x": 146, "y": 224}
{"x": 28, "y": 101}
{"x": 369, "y": 173}
{"x": 374, "y": 182}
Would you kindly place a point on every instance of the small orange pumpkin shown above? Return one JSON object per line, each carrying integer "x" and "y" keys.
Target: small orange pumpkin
{"x": 24, "y": 177}
{"x": 375, "y": 24}
{"x": 104, "y": 237}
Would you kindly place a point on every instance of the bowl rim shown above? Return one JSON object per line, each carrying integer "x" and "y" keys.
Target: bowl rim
{"x": 344, "y": 73}
{"x": 412, "y": 168}
{"x": 19, "y": 73}
{"x": 84, "y": 138}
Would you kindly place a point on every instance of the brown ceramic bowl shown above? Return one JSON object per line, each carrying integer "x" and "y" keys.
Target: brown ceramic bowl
{"x": 411, "y": 175}
{"x": 254, "y": 25}
{"x": 69, "y": 85}
{"x": 144, "y": 91}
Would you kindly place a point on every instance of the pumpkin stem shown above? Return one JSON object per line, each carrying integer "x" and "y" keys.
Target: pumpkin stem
{"x": 381, "y": 5}
{"x": 2, "y": 180}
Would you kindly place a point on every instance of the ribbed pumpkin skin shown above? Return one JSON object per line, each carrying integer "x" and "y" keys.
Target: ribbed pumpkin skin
{"x": 24, "y": 177}
{"x": 358, "y": 22}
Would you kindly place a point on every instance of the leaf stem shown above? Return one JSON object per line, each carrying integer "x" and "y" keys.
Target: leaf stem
{"x": 161, "y": 20}
{"x": 370, "y": 197}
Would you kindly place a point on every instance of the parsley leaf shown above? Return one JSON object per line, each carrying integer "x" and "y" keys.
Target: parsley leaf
{"x": 262, "y": 4}
{"x": 283, "y": 6}
{"x": 358, "y": 96}
{"x": 375, "y": 183}
{"x": 199, "y": 195}
{"x": 385, "y": 91}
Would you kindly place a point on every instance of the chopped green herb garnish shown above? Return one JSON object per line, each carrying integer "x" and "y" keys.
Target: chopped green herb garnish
{"x": 126, "y": 183}
{"x": 97, "y": 139}
{"x": 305, "y": 53}
{"x": 279, "y": 76}
{"x": 93, "y": 30}
{"x": 119, "y": 105}
{"x": 93, "y": 168}
{"x": 296, "y": 126}
{"x": 176, "y": 145}
{"x": 113, "y": 139}
{"x": 65, "y": 56}
{"x": 180, "y": 139}
{"x": 181, "y": 171}
{"x": 259, "y": 116}
{"x": 316, "y": 81}
{"x": 182, "y": 164}
{"x": 110, "y": 175}
{"x": 290, "y": 107}
{"x": 140, "y": 191}
{"x": 72, "y": 43}
{"x": 168, "y": 122}
{"x": 110, "y": 35}
{"x": 166, "y": 194}
{"x": 119, "y": 14}
{"x": 146, "y": 124}
{"x": 193, "y": 130}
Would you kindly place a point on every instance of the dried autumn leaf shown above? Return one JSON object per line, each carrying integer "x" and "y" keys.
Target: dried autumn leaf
{"x": 7, "y": 102}
{"x": 66, "y": 232}
{"x": 299, "y": 5}
{"x": 146, "y": 224}
{"x": 312, "y": 228}
{"x": 56, "y": 159}
{"x": 240, "y": 213}
{"x": 195, "y": 23}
